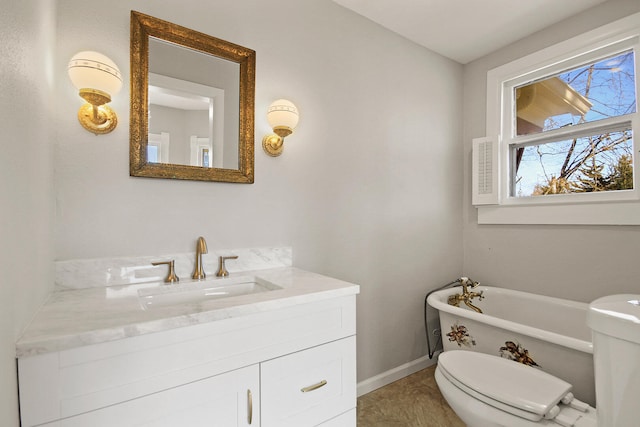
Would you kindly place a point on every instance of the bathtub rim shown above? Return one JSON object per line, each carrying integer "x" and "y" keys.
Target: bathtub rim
{"x": 438, "y": 300}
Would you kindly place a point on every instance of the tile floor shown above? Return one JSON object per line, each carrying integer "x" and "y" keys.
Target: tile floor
{"x": 413, "y": 401}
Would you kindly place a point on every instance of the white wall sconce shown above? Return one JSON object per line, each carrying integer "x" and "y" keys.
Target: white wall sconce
{"x": 97, "y": 78}
{"x": 283, "y": 117}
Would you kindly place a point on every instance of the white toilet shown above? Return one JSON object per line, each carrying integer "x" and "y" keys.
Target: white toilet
{"x": 487, "y": 391}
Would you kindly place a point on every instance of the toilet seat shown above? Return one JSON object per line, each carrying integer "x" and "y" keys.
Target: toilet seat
{"x": 511, "y": 387}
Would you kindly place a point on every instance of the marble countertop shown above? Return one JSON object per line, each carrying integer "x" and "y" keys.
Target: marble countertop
{"x": 80, "y": 317}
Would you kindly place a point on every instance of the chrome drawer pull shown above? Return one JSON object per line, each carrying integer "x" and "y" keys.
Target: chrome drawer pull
{"x": 314, "y": 387}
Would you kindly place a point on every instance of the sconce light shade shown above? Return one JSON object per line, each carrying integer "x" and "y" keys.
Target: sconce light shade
{"x": 97, "y": 78}
{"x": 94, "y": 70}
{"x": 283, "y": 117}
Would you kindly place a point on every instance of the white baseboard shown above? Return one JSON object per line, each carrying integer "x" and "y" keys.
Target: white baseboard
{"x": 395, "y": 374}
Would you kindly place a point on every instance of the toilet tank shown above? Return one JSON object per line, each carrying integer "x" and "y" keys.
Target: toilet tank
{"x": 615, "y": 324}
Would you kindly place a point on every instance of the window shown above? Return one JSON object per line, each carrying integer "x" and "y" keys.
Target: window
{"x": 153, "y": 153}
{"x": 572, "y": 131}
{"x": 560, "y": 126}
{"x": 158, "y": 147}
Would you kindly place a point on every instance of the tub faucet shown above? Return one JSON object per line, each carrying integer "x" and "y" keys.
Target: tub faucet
{"x": 201, "y": 248}
{"x": 466, "y": 295}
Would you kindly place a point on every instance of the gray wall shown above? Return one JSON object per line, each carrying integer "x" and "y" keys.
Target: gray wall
{"x": 26, "y": 189}
{"x": 367, "y": 189}
{"x": 577, "y": 262}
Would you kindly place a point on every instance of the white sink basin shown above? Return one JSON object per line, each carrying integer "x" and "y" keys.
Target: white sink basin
{"x": 202, "y": 291}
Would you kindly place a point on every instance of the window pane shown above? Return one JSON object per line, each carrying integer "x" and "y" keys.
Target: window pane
{"x": 593, "y": 92}
{"x": 597, "y": 163}
{"x": 205, "y": 157}
{"x": 152, "y": 153}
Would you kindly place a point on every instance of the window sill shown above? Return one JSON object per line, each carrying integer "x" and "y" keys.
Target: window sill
{"x": 620, "y": 213}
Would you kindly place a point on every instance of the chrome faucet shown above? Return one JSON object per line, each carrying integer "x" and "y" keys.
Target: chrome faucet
{"x": 201, "y": 248}
{"x": 466, "y": 295}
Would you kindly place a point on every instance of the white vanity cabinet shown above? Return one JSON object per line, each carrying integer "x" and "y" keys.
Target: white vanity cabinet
{"x": 290, "y": 366}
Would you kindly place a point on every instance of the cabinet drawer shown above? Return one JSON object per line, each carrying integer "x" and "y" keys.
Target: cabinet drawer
{"x": 309, "y": 387}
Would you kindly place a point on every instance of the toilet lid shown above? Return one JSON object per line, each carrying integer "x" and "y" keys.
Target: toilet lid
{"x": 521, "y": 390}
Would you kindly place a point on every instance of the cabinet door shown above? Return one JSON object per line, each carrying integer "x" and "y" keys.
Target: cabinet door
{"x": 229, "y": 399}
{"x": 309, "y": 387}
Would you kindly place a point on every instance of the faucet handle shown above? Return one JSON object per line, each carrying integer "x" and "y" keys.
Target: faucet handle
{"x": 466, "y": 281}
{"x": 171, "y": 277}
{"x": 222, "y": 271}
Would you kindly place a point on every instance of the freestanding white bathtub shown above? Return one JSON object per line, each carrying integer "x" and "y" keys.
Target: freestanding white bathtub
{"x": 543, "y": 332}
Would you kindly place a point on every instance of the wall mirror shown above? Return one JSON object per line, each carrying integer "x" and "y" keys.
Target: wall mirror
{"x": 192, "y": 104}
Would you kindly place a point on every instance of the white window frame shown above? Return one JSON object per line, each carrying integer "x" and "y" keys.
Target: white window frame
{"x": 615, "y": 207}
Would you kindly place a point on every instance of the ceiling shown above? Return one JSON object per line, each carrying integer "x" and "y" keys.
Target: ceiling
{"x": 464, "y": 30}
{"x": 166, "y": 97}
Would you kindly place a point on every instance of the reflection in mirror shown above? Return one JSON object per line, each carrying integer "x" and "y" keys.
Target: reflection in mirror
{"x": 189, "y": 111}
{"x": 191, "y": 104}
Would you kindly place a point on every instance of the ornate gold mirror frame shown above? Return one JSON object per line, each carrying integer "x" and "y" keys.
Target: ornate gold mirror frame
{"x": 142, "y": 28}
